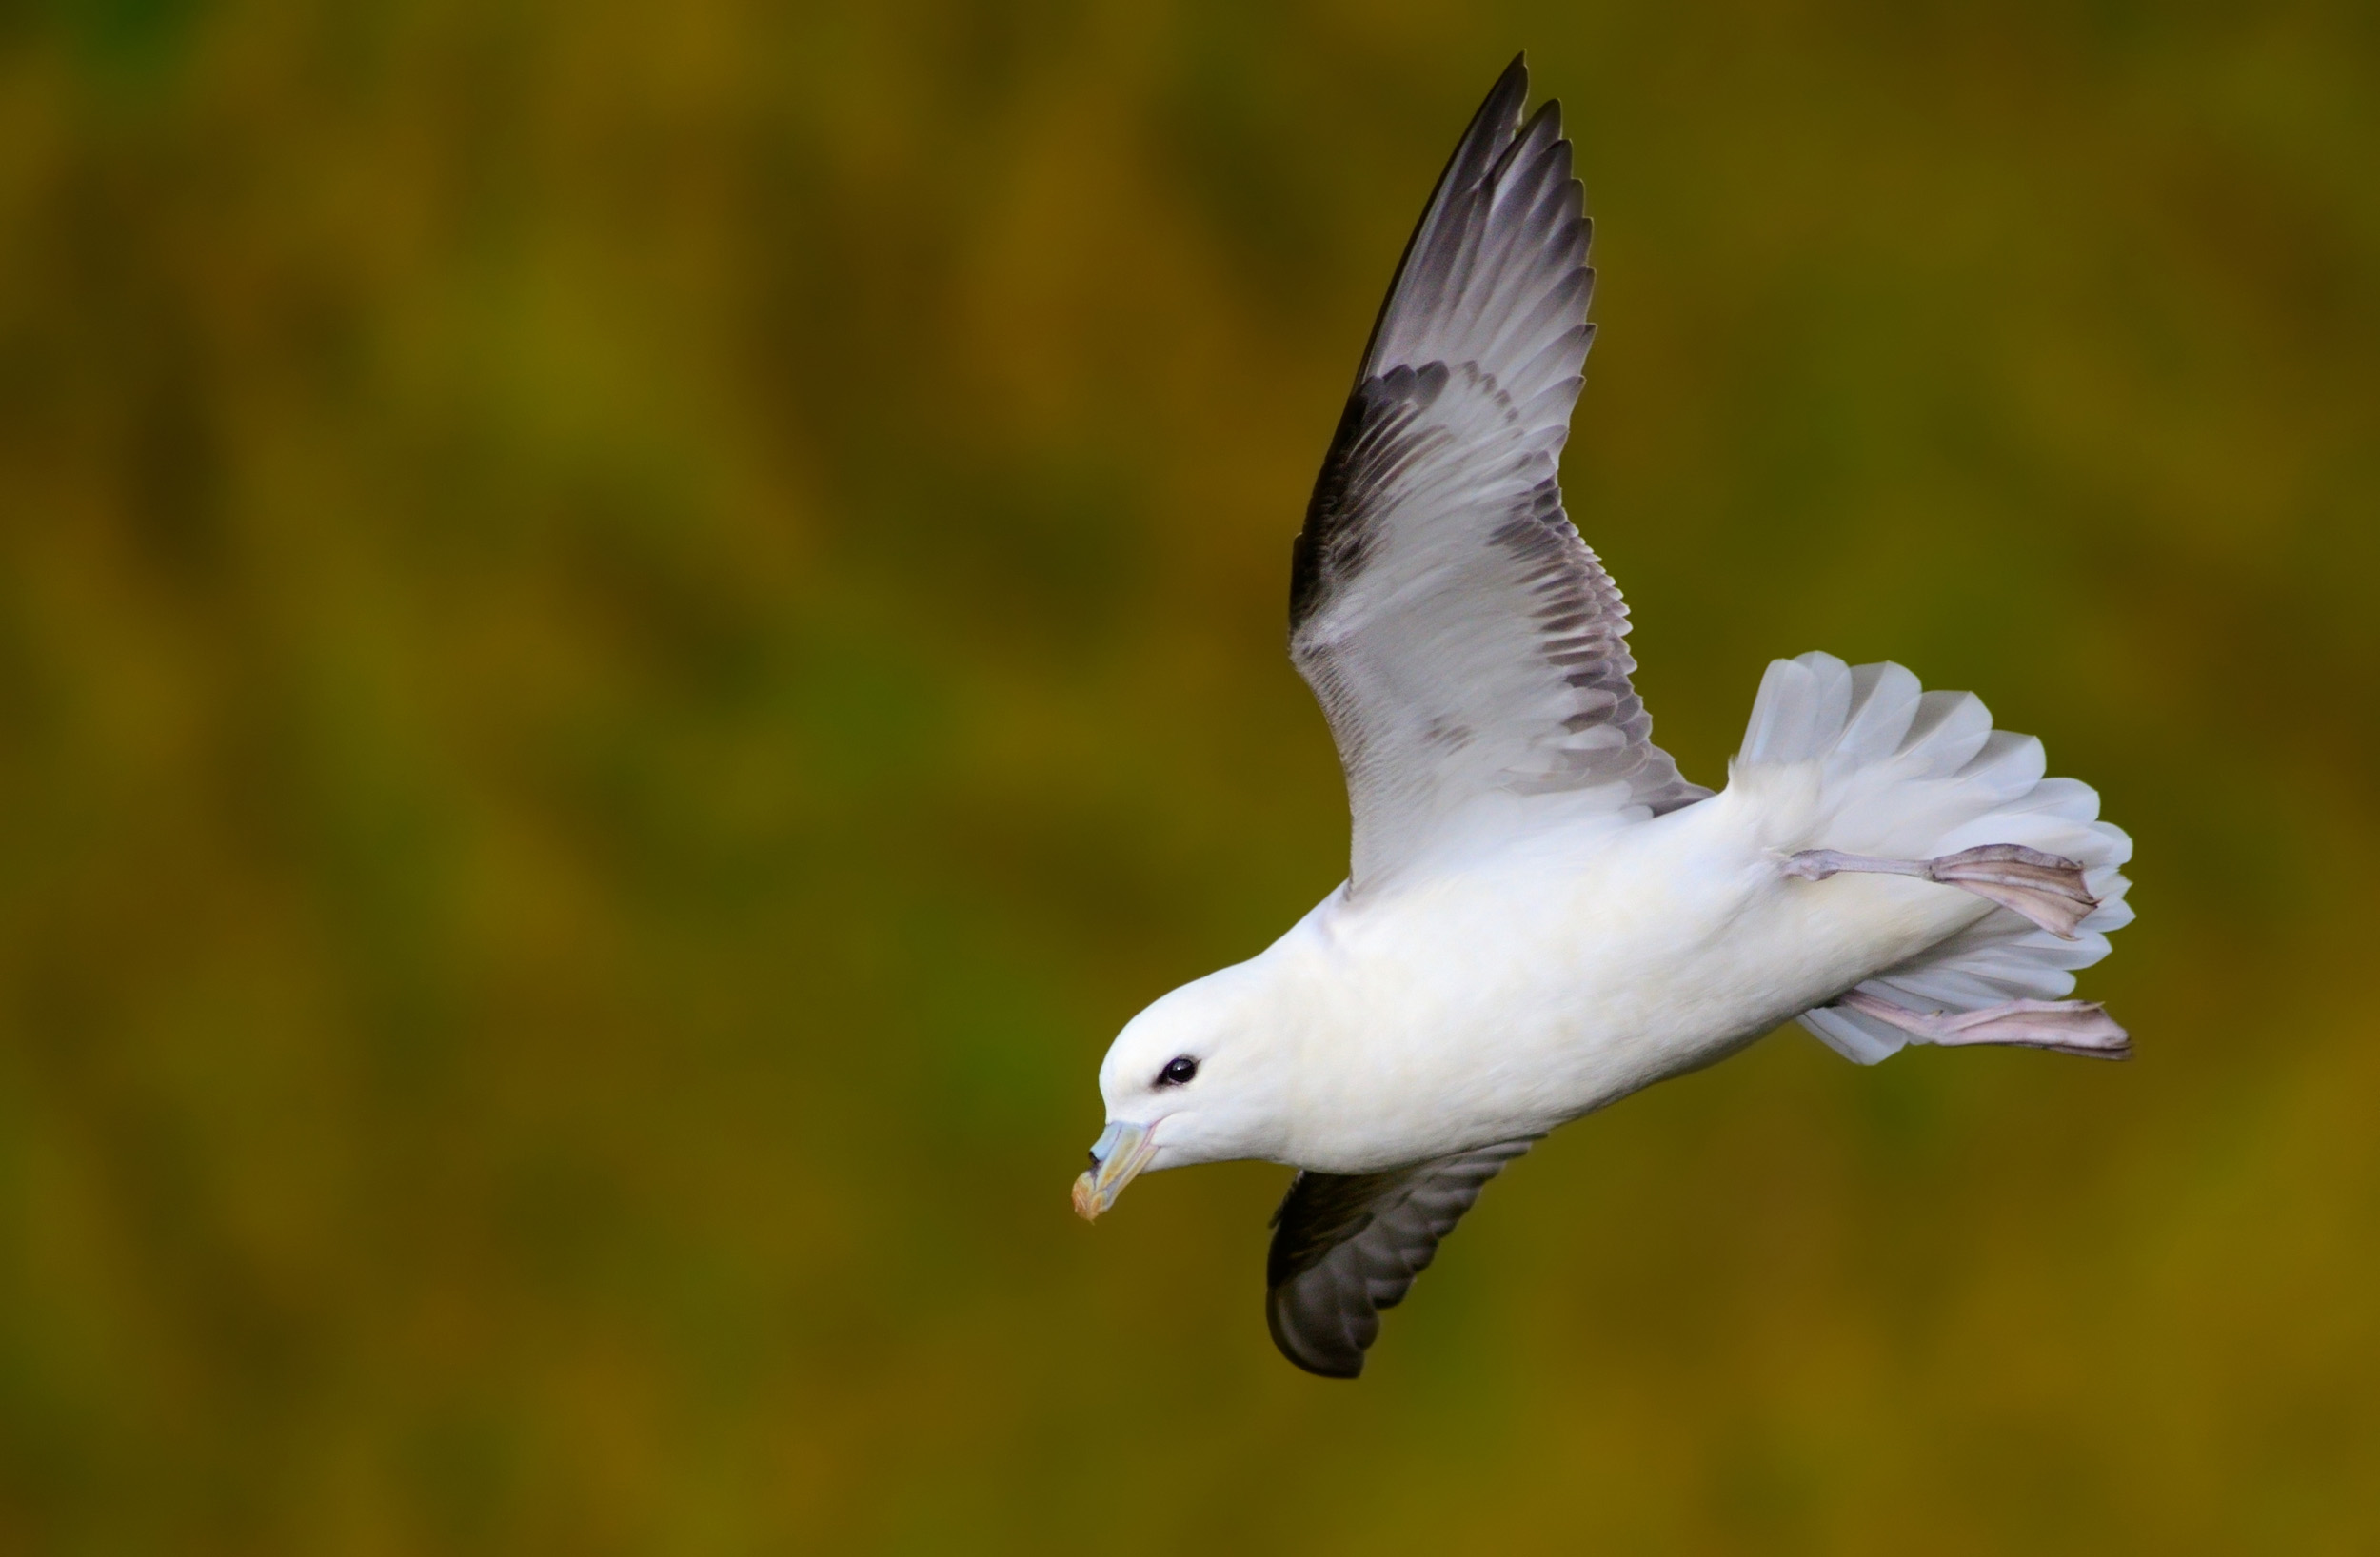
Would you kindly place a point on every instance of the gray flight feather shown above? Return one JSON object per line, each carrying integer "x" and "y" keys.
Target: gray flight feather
{"x": 1461, "y": 639}
{"x": 1345, "y": 1246}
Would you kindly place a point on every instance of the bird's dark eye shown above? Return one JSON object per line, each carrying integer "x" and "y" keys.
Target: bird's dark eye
{"x": 1177, "y": 1070}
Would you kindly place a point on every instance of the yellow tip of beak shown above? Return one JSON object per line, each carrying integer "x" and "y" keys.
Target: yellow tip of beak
{"x": 1122, "y": 1149}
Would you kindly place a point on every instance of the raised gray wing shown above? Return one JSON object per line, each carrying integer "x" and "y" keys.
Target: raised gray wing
{"x": 1461, "y": 639}
{"x": 1345, "y": 1246}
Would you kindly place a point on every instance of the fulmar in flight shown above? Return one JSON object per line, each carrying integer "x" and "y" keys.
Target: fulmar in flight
{"x": 1541, "y": 915}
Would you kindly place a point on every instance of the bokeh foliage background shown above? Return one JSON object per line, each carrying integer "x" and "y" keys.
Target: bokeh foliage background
{"x": 628, "y": 632}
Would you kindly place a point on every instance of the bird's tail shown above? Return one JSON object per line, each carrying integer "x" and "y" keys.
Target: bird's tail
{"x": 1888, "y": 769}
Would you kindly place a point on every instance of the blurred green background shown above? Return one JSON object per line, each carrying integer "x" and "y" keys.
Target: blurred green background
{"x": 627, "y": 633}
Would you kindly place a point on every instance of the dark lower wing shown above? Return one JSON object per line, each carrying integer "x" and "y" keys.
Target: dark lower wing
{"x": 1345, "y": 1246}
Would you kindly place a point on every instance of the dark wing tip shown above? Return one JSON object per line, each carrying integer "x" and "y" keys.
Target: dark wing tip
{"x": 1511, "y": 87}
{"x": 1486, "y": 137}
{"x": 1317, "y": 1350}
{"x": 1346, "y": 1246}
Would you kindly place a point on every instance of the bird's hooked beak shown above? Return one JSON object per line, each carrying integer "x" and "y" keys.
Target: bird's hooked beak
{"x": 1117, "y": 1157}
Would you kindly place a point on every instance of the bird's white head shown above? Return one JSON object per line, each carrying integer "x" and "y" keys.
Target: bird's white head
{"x": 1196, "y": 1078}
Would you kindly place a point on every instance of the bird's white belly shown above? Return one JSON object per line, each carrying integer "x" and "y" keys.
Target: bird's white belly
{"x": 1500, "y": 1002}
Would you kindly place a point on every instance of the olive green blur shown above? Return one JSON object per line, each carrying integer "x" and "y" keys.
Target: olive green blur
{"x": 629, "y": 632}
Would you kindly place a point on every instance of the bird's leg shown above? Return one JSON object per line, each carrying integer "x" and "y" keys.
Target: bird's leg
{"x": 2070, "y": 1027}
{"x": 2047, "y": 889}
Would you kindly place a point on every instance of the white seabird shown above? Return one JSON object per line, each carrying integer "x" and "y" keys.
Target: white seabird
{"x": 1541, "y": 915}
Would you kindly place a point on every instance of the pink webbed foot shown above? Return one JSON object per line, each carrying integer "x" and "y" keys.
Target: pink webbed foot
{"x": 2069, "y": 1027}
{"x": 2047, "y": 888}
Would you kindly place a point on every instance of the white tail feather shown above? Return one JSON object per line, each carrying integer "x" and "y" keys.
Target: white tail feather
{"x": 1907, "y": 774}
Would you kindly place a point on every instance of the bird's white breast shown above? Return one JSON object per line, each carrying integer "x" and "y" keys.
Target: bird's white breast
{"x": 1499, "y": 999}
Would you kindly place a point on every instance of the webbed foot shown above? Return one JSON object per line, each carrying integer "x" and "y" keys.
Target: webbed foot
{"x": 2047, "y": 888}
{"x": 2069, "y": 1027}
